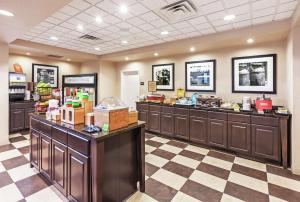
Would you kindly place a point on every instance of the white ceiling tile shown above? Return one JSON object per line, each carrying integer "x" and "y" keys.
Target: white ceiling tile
{"x": 95, "y": 11}
{"x": 287, "y": 6}
{"x": 125, "y": 2}
{"x": 220, "y": 22}
{"x": 61, "y": 29}
{"x": 159, "y": 23}
{"x": 224, "y": 28}
{"x": 216, "y": 16}
{"x": 61, "y": 16}
{"x": 203, "y": 2}
{"x": 80, "y": 4}
{"x": 53, "y": 20}
{"x": 263, "y": 4}
{"x": 203, "y": 26}
{"x": 135, "y": 21}
{"x": 212, "y": 7}
{"x": 137, "y": 9}
{"x": 264, "y": 12}
{"x": 93, "y": 1}
{"x": 240, "y": 9}
{"x": 242, "y": 17}
{"x": 181, "y": 25}
{"x": 241, "y": 24}
{"x": 234, "y": 3}
{"x": 69, "y": 10}
{"x": 150, "y": 16}
{"x": 284, "y": 15}
{"x": 146, "y": 26}
{"x": 208, "y": 31}
{"x": 108, "y": 6}
{"x": 153, "y": 5}
{"x": 188, "y": 30}
{"x": 197, "y": 20}
{"x": 262, "y": 20}
{"x": 67, "y": 25}
{"x": 111, "y": 19}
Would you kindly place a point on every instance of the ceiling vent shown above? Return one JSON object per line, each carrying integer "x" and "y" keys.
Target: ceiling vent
{"x": 89, "y": 38}
{"x": 54, "y": 56}
{"x": 178, "y": 11}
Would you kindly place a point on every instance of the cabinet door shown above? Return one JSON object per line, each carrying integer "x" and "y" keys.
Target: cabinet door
{"x": 45, "y": 142}
{"x": 217, "y": 133}
{"x": 265, "y": 142}
{"x": 59, "y": 166}
{"x": 167, "y": 124}
{"x": 239, "y": 137}
{"x": 154, "y": 121}
{"x": 198, "y": 130}
{"x": 78, "y": 177}
{"x": 34, "y": 149}
{"x": 181, "y": 127}
{"x": 17, "y": 120}
{"x": 143, "y": 116}
{"x": 27, "y": 118}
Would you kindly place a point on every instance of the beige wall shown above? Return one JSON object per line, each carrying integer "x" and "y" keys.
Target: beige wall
{"x": 223, "y": 79}
{"x": 4, "y": 93}
{"x": 107, "y": 77}
{"x": 65, "y": 68}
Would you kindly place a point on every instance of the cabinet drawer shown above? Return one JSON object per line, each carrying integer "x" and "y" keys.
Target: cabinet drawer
{"x": 78, "y": 143}
{"x": 154, "y": 108}
{"x": 45, "y": 128}
{"x": 265, "y": 121}
{"x": 242, "y": 118}
{"x": 35, "y": 124}
{"x": 198, "y": 113}
{"x": 142, "y": 106}
{"x": 217, "y": 115}
{"x": 24, "y": 105}
{"x": 181, "y": 111}
{"x": 167, "y": 110}
{"x": 60, "y": 135}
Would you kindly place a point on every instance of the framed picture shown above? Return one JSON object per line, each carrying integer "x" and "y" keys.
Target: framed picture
{"x": 254, "y": 74}
{"x": 163, "y": 75}
{"x": 200, "y": 76}
{"x": 46, "y": 74}
{"x": 151, "y": 86}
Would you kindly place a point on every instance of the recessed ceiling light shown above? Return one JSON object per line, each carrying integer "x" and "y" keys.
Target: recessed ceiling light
{"x": 155, "y": 54}
{"x": 124, "y": 42}
{"x": 69, "y": 59}
{"x": 127, "y": 58}
{"x": 164, "y": 33}
{"x": 6, "y": 13}
{"x": 97, "y": 48}
{"x": 79, "y": 27}
{"x": 250, "y": 40}
{"x": 229, "y": 17}
{"x": 123, "y": 9}
{"x": 28, "y": 53}
{"x": 54, "y": 38}
{"x": 192, "y": 49}
{"x": 98, "y": 19}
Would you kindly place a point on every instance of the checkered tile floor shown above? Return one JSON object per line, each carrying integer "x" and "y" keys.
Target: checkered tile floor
{"x": 175, "y": 171}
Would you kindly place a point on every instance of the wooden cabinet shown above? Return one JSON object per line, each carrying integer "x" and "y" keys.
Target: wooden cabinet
{"x": 239, "y": 137}
{"x": 181, "y": 127}
{"x": 167, "y": 124}
{"x": 59, "y": 166}
{"x": 265, "y": 142}
{"x": 45, "y": 155}
{"x": 154, "y": 121}
{"x": 78, "y": 177}
{"x": 198, "y": 129}
{"x": 17, "y": 121}
{"x": 34, "y": 149}
{"x": 27, "y": 112}
{"x": 217, "y": 133}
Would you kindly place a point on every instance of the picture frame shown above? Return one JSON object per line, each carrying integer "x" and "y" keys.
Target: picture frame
{"x": 254, "y": 74}
{"x": 45, "y": 73}
{"x": 152, "y": 86}
{"x": 163, "y": 75}
{"x": 200, "y": 76}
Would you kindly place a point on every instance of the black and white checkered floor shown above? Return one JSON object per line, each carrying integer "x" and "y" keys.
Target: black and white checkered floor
{"x": 175, "y": 171}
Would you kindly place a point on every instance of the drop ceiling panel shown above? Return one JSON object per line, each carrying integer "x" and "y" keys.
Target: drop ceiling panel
{"x": 142, "y": 24}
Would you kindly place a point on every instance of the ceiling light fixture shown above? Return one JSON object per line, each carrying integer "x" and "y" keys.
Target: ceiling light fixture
{"x": 155, "y": 54}
{"x": 98, "y": 19}
{"x": 6, "y": 13}
{"x": 123, "y": 9}
{"x": 124, "y": 42}
{"x": 164, "y": 33}
{"x": 126, "y": 58}
{"x": 28, "y": 53}
{"x": 229, "y": 17}
{"x": 79, "y": 27}
{"x": 250, "y": 40}
{"x": 53, "y": 38}
{"x": 192, "y": 49}
{"x": 97, "y": 48}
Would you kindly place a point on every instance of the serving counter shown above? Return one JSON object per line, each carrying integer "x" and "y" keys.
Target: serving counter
{"x": 89, "y": 167}
{"x": 263, "y": 137}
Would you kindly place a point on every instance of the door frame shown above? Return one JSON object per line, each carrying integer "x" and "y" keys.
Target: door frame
{"x": 122, "y": 80}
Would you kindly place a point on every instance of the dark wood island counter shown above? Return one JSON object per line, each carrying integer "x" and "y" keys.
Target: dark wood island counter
{"x": 89, "y": 167}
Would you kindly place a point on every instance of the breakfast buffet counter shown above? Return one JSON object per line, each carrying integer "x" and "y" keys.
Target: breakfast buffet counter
{"x": 89, "y": 167}
{"x": 262, "y": 137}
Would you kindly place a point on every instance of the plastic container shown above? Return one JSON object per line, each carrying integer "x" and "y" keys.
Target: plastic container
{"x": 75, "y": 103}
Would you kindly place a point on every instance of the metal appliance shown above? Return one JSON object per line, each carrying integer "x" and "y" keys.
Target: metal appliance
{"x": 17, "y": 86}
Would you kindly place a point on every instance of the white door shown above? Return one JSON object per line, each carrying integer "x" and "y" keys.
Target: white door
{"x": 130, "y": 88}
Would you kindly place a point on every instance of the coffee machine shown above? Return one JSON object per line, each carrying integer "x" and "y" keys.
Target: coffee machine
{"x": 17, "y": 86}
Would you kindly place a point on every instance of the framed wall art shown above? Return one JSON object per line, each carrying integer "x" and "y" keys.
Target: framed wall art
{"x": 46, "y": 74}
{"x": 200, "y": 76}
{"x": 254, "y": 74}
{"x": 163, "y": 75}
